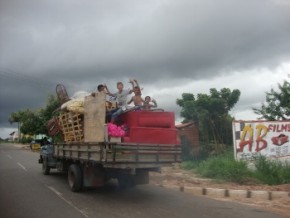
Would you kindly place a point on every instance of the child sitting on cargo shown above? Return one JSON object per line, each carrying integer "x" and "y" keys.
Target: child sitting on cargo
{"x": 147, "y": 105}
{"x": 100, "y": 88}
{"x": 121, "y": 98}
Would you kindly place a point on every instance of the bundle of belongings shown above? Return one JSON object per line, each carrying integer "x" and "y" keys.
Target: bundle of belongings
{"x": 76, "y": 102}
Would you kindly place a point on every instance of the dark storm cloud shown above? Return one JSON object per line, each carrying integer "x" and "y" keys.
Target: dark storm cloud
{"x": 20, "y": 92}
{"x": 82, "y": 43}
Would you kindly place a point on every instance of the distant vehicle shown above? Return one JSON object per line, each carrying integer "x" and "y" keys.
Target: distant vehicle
{"x": 36, "y": 144}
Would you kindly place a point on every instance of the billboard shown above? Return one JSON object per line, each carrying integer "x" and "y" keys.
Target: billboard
{"x": 267, "y": 138}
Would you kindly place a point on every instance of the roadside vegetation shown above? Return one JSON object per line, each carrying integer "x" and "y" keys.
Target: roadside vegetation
{"x": 211, "y": 113}
{"x": 272, "y": 172}
{"x": 34, "y": 122}
{"x": 224, "y": 167}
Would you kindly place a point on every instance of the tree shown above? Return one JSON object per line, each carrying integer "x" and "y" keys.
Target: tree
{"x": 212, "y": 114}
{"x": 35, "y": 122}
{"x": 52, "y": 104}
{"x": 31, "y": 123}
{"x": 277, "y": 105}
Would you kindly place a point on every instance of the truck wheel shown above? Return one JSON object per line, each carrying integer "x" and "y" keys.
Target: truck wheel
{"x": 45, "y": 167}
{"x": 75, "y": 177}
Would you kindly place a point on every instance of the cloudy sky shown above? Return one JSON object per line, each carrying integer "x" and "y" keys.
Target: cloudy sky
{"x": 170, "y": 46}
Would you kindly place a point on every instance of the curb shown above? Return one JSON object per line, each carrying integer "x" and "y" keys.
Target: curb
{"x": 22, "y": 146}
{"x": 232, "y": 193}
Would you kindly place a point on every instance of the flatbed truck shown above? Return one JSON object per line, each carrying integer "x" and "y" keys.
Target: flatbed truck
{"x": 91, "y": 157}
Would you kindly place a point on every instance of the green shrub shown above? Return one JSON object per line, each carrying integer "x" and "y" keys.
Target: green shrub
{"x": 224, "y": 167}
{"x": 26, "y": 140}
{"x": 221, "y": 167}
{"x": 272, "y": 172}
{"x": 189, "y": 165}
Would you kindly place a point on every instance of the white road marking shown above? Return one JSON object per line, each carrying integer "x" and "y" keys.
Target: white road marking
{"x": 67, "y": 201}
{"x": 23, "y": 167}
{"x": 8, "y": 156}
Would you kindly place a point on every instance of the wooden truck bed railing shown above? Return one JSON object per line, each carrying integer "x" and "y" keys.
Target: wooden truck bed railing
{"x": 144, "y": 153}
{"x": 120, "y": 154}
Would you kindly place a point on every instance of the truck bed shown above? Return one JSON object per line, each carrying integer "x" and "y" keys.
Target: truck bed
{"x": 120, "y": 155}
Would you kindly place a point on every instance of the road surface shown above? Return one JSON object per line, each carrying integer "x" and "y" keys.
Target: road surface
{"x": 26, "y": 192}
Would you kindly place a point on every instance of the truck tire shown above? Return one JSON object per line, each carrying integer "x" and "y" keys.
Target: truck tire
{"x": 45, "y": 167}
{"x": 75, "y": 177}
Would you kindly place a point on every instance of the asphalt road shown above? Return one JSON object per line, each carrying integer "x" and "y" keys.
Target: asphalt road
{"x": 26, "y": 192}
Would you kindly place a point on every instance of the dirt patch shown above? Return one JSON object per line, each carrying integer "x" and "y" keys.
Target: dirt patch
{"x": 175, "y": 176}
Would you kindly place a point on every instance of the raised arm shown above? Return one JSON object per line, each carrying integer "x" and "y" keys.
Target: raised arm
{"x": 132, "y": 83}
{"x": 137, "y": 84}
{"x": 108, "y": 91}
{"x": 154, "y": 103}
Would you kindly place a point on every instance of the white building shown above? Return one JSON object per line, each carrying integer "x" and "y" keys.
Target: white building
{"x": 13, "y": 136}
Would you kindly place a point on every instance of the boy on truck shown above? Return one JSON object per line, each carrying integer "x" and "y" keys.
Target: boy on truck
{"x": 147, "y": 105}
{"x": 121, "y": 98}
{"x": 137, "y": 99}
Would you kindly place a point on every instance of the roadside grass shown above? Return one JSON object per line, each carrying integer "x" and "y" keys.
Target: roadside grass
{"x": 224, "y": 167}
{"x": 272, "y": 172}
